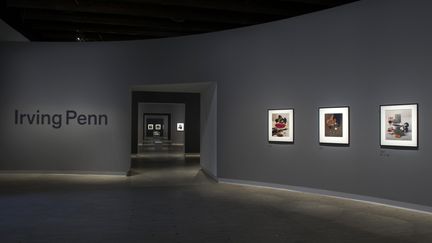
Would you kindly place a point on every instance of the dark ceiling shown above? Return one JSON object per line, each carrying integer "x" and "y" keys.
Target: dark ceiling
{"x": 109, "y": 20}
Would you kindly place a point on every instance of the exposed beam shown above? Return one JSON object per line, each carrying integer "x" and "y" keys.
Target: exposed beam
{"x": 245, "y": 6}
{"x": 90, "y": 28}
{"x": 56, "y": 16}
{"x": 154, "y": 11}
{"x": 88, "y": 36}
{"x": 326, "y": 3}
{"x": 143, "y": 19}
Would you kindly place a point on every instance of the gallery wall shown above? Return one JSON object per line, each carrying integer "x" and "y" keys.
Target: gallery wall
{"x": 177, "y": 112}
{"x": 7, "y": 33}
{"x": 162, "y": 120}
{"x": 360, "y": 55}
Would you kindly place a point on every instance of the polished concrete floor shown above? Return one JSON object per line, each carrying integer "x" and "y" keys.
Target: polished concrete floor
{"x": 171, "y": 200}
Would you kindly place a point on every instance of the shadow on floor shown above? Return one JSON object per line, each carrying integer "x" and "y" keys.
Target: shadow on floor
{"x": 171, "y": 200}
{"x": 167, "y": 169}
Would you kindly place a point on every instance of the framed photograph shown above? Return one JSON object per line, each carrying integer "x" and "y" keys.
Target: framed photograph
{"x": 399, "y": 125}
{"x": 334, "y": 125}
{"x": 149, "y": 127}
{"x": 180, "y": 127}
{"x": 281, "y": 125}
{"x": 158, "y": 127}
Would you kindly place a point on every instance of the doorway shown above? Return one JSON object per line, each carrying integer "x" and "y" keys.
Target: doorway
{"x": 176, "y": 108}
{"x": 158, "y": 131}
{"x": 157, "y": 124}
{"x": 167, "y": 130}
{"x": 154, "y": 127}
{"x": 198, "y": 127}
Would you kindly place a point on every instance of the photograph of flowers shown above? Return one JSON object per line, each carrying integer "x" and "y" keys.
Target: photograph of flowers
{"x": 281, "y": 125}
{"x": 334, "y": 125}
{"x": 399, "y": 125}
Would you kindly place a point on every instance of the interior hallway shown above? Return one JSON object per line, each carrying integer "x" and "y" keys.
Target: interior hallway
{"x": 171, "y": 200}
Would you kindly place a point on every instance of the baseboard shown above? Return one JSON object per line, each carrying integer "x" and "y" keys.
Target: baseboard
{"x": 192, "y": 155}
{"x": 333, "y": 194}
{"x": 209, "y": 174}
{"x": 64, "y": 172}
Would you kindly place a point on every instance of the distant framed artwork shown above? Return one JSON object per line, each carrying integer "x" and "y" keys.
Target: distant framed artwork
{"x": 281, "y": 125}
{"x": 180, "y": 127}
{"x": 334, "y": 125}
{"x": 158, "y": 127}
{"x": 149, "y": 127}
{"x": 399, "y": 125}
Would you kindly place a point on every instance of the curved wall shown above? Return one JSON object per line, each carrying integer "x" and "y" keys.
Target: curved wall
{"x": 361, "y": 55}
{"x": 7, "y": 33}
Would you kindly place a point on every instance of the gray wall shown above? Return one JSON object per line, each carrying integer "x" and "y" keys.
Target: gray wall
{"x": 164, "y": 119}
{"x": 177, "y": 112}
{"x": 361, "y": 55}
{"x": 209, "y": 139}
{"x": 7, "y": 33}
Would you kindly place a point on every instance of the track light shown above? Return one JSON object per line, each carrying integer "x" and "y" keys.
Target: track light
{"x": 79, "y": 36}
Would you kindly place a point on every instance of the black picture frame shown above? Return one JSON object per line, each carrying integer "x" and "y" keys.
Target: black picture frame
{"x": 415, "y": 133}
{"x": 290, "y": 139}
{"x": 336, "y": 142}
